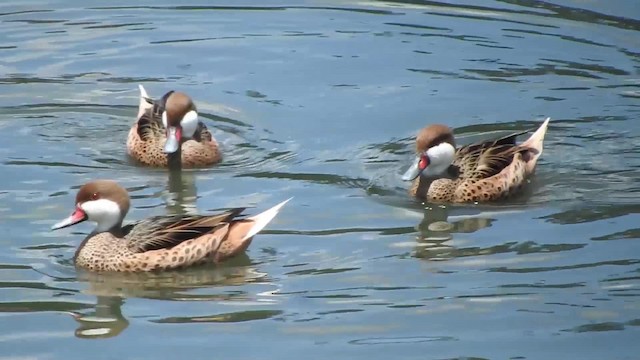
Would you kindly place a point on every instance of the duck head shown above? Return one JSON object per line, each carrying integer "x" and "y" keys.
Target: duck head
{"x": 180, "y": 119}
{"x": 435, "y": 150}
{"x": 103, "y": 202}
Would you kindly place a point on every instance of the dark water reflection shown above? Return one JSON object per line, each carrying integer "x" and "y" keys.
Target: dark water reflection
{"x": 321, "y": 101}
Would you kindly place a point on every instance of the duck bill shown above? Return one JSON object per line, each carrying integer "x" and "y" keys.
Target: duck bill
{"x": 413, "y": 171}
{"x": 173, "y": 139}
{"x": 77, "y": 217}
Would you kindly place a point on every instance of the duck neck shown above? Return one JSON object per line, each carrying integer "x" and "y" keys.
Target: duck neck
{"x": 112, "y": 228}
{"x": 174, "y": 160}
{"x": 422, "y": 186}
{"x": 423, "y": 183}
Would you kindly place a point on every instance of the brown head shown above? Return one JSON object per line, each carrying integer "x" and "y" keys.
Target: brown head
{"x": 433, "y": 135}
{"x": 180, "y": 119}
{"x": 102, "y": 201}
{"x": 435, "y": 149}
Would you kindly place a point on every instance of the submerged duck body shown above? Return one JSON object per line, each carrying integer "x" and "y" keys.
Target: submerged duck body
{"x": 479, "y": 172}
{"x": 160, "y": 242}
{"x": 167, "y": 133}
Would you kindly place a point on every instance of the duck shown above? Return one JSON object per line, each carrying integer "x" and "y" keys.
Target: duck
{"x": 167, "y": 133}
{"x": 157, "y": 243}
{"x": 480, "y": 172}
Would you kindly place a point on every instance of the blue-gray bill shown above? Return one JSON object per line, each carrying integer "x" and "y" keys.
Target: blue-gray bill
{"x": 172, "y": 144}
{"x": 413, "y": 171}
{"x": 78, "y": 216}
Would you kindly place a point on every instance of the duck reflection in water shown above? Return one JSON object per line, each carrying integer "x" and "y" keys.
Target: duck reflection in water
{"x": 181, "y": 193}
{"x": 107, "y": 320}
{"x": 438, "y": 230}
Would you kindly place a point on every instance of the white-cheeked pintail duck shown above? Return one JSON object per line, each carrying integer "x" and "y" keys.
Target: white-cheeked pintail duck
{"x": 167, "y": 133}
{"x": 156, "y": 243}
{"x": 480, "y": 172}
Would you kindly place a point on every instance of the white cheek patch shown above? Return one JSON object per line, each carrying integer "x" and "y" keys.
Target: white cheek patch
{"x": 105, "y": 213}
{"x": 189, "y": 124}
{"x": 440, "y": 156}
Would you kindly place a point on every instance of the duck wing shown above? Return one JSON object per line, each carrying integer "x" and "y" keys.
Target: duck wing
{"x": 487, "y": 158}
{"x": 162, "y": 232}
{"x": 202, "y": 134}
{"x": 150, "y": 122}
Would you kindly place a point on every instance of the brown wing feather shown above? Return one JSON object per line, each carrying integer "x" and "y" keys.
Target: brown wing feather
{"x": 150, "y": 123}
{"x": 162, "y": 232}
{"x": 202, "y": 133}
{"x": 487, "y": 158}
{"x": 494, "y": 160}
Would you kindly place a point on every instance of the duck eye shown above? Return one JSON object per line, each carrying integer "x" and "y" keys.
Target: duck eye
{"x": 95, "y": 196}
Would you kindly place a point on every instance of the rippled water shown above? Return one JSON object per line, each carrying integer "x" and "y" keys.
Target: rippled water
{"x": 320, "y": 100}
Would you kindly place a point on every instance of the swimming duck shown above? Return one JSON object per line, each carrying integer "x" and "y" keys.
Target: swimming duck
{"x": 480, "y": 172}
{"x": 156, "y": 243}
{"x": 167, "y": 133}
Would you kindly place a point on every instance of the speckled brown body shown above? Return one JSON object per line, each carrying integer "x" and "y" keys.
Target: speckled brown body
{"x": 471, "y": 189}
{"x": 193, "y": 153}
{"x": 147, "y": 137}
{"x": 107, "y": 252}
{"x": 486, "y": 171}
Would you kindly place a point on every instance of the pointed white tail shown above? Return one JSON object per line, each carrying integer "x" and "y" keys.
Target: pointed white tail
{"x": 536, "y": 139}
{"x": 144, "y": 105}
{"x": 261, "y": 220}
{"x": 143, "y": 92}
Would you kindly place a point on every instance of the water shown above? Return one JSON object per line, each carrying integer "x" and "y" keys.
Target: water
{"x": 320, "y": 100}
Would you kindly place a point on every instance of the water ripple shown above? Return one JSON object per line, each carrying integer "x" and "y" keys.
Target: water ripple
{"x": 322, "y": 103}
